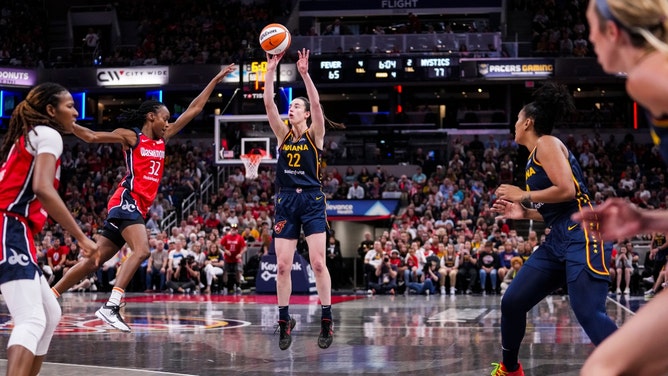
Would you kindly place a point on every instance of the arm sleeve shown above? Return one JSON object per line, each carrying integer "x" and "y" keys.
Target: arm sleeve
{"x": 45, "y": 139}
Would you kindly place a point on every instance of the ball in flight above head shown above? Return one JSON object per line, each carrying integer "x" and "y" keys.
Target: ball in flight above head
{"x": 275, "y": 38}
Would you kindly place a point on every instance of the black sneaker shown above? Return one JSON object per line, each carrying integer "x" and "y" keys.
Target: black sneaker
{"x": 285, "y": 328}
{"x": 326, "y": 334}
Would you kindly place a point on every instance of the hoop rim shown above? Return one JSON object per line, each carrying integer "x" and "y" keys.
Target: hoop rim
{"x": 251, "y": 161}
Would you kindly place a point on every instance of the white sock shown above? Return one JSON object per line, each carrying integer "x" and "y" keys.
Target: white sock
{"x": 116, "y": 296}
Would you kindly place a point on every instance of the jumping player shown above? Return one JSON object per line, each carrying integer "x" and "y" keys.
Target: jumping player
{"x": 300, "y": 202}
{"x": 128, "y": 207}
{"x": 29, "y": 177}
{"x": 571, "y": 254}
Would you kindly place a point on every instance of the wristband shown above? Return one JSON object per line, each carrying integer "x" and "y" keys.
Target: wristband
{"x": 526, "y": 201}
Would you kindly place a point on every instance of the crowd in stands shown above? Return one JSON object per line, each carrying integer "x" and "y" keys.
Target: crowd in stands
{"x": 559, "y": 28}
{"x": 445, "y": 212}
{"x": 23, "y": 33}
{"x": 221, "y": 32}
{"x": 168, "y": 32}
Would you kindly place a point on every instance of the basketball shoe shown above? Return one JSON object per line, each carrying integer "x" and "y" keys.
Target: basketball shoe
{"x": 500, "y": 370}
{"x": 285, "y": 329}
{"x": 326, "y": 334}
{"x": 110, "y": 314}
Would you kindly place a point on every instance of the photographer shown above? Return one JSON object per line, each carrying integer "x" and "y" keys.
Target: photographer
{"x": 386, "y": 275}
{"x": 467, "y": 272}
{"x": 429, "y": 278}
{"x": 185, "y": 276}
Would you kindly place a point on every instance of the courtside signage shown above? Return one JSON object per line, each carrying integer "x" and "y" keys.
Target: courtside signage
{"x": 361, "y": 210}
{"x": 17, "y": 77}
{"x": 141, "y": 76}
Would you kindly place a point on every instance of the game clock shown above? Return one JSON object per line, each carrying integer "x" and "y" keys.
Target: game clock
{"x": 389, "y": 69}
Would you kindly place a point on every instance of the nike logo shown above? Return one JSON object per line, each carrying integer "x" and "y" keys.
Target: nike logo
{"x": 572, "y": 227}
{"x": 318, "y": 198}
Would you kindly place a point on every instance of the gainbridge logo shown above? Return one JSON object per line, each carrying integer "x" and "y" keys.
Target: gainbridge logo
{"x": 74, "y": 324}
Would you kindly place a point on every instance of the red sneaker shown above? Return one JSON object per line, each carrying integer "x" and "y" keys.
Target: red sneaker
{"x": 500, "y": 370}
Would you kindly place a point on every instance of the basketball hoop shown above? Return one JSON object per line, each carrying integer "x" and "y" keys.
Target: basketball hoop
{"x": 251, "y": 162}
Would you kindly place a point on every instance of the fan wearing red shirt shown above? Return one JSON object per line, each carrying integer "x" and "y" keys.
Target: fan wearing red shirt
{"x": 55, "y": 256}
{"x": 234, "y": 246}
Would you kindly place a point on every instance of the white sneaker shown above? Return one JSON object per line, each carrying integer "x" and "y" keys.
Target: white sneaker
{"x": 111, "y": 315}
{"x": 649, "y": 279}
{"x": 427, "y": 292}
{"x": 442, "y": 290}
{"x": 452, "y": 291}
{"x": 618, "y": 291}
{"x": 627, "y": 291}
{"x": 93, "y": 287}
{"x": 112, "y": 282}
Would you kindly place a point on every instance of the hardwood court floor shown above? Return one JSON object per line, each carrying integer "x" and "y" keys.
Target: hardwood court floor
{"x": 234, "y": 334}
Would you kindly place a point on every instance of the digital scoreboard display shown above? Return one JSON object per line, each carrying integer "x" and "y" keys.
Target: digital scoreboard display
{"x": 385, "y": 69}
{"x": 369, "y": 69}
{"x": 435, "y": 68}
{"x": 331, "y": 70}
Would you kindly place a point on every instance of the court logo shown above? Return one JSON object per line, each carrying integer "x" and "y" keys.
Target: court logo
{"x": 74, "y": 324}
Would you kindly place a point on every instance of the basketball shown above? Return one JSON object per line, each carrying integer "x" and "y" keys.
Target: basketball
{"x": 275, "y": 38}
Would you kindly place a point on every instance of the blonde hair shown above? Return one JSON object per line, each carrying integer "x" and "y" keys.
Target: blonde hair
{"x": 645, "y": 20}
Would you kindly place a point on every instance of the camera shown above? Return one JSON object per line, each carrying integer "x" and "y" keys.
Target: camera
{"x": 186, "y": 261}
{"x": 386, "y": 259}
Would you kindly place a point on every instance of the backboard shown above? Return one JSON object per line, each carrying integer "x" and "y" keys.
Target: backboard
{"x": 238, "y": 134}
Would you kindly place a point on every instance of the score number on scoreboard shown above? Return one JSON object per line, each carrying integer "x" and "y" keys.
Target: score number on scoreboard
{"x": 331, "y": 70}
{"x": 436, "y": 67}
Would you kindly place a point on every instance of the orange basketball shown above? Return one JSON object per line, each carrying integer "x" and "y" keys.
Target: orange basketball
{"x": 275, "y": 38}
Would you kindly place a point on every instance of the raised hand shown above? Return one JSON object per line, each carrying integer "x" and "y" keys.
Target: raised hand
{"x": 508, "y": 209}
{"x": 302, "y": 63}
{"x": 273, "y": 60}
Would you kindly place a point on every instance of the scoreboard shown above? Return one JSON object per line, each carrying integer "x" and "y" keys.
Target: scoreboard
{"x": 369, "y": 69}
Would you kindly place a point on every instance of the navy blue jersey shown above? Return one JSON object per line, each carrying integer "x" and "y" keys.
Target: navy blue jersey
{"x": 659, "y": 132}
{"x": 537, "y": 179}
{"x": 298, "y": 164}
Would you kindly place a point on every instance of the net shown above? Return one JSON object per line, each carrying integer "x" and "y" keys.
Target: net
{"x": 251, "y": 162}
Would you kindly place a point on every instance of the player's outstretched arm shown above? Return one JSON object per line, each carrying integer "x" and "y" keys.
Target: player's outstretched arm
{"x": 197, "y": 105}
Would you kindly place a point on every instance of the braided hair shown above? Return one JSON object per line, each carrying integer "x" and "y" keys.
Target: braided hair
{"x": 551, "y": 103}
{"x": 30, "y": 113}
{"x": 135, "y": 117}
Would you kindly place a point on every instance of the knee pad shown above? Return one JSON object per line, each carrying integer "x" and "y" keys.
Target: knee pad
{"x": 53, "y": 315}
{"x": 28, "y": 330}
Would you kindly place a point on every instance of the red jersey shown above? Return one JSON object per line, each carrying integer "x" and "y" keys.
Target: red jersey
{"x": 16, "y": 175}
{"x": 145, "y": 164}
{"x": 233, "y": 243}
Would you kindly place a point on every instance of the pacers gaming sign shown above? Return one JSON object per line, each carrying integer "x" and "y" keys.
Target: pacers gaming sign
{"x": 516, "y": 68}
